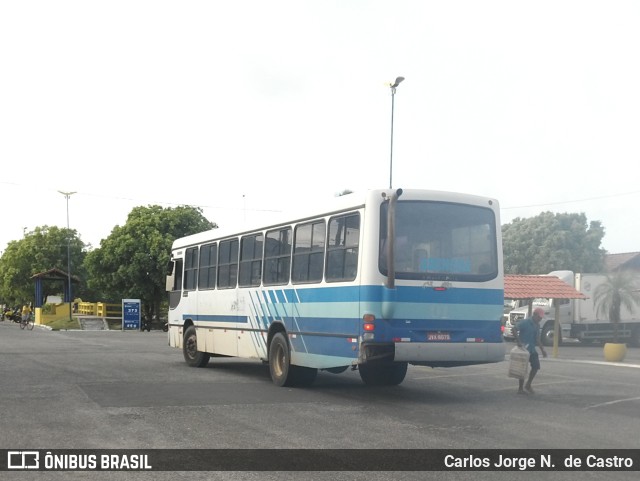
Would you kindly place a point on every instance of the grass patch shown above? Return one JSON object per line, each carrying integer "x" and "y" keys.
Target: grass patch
{"x": 63, "y": 324}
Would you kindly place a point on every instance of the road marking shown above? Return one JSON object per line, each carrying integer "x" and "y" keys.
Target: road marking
{"x": 599, "y": 363}
{"x": 614, "y": 402}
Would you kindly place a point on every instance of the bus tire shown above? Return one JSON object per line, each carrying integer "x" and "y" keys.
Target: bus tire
{"x": 280, "y": 360}
{"x": 192, "y": 356}
{"x": 283, "y": 373}
{"x": 390, "y": 374}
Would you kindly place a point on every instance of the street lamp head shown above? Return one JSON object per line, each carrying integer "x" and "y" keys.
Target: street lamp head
{"x": 393, "y": 94}
{"x": 397, "y": 82}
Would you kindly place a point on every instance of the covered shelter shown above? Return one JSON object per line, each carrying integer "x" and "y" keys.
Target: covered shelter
{"x": 527, "y": 288}
{"x": 56, "y": 275}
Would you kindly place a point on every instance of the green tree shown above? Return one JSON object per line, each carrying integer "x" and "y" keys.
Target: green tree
{"x": 619, "y": 290}
{"x": 42, "y": 249}
{"x": 131, "y": 262}
{"x": 549, "y": 242}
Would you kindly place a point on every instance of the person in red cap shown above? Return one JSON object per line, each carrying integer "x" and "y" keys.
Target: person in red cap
{"x": 528, "y": 335}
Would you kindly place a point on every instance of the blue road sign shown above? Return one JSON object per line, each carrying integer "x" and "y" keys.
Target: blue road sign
{"x": 131, "y": 314}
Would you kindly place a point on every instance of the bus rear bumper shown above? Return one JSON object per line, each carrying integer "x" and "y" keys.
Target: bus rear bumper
{"x": 448, "y": 354}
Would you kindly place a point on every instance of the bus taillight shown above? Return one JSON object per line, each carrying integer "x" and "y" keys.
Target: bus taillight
{"x": 368, "y": 326}
{"x": 369, "y": 320}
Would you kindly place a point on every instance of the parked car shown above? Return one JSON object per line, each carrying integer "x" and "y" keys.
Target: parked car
{"x": 507, "y": 325}
{"x": 507, "y": 331}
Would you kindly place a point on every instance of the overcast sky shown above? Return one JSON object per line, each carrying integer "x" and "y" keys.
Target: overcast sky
{"x": 247, "y": 108}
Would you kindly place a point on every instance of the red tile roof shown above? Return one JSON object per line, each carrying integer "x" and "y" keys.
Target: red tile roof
{"x": 614, "y": 262}
{"x": 530, "y": 287}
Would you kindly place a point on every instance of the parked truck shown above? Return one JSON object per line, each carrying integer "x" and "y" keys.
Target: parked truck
{"x": 579, "y": 318}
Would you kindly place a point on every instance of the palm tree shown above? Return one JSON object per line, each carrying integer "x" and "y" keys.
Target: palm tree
{"x": 620, "y": 289}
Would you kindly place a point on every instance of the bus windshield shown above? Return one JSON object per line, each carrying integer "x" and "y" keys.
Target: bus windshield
{"x": 441, "y": 241}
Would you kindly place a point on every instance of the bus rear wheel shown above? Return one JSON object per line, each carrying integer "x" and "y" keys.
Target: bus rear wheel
{"x": 283, "y": 373}
{"x": 192, "y": 356}
{"x": 390, "y": 374}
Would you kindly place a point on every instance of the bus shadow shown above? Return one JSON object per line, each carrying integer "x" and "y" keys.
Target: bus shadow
{"x": 329, "y": 387}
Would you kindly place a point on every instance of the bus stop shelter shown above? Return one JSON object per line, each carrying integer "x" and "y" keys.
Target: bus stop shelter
{"x": 57, "y": 276}
{"x": 527, "y": 288}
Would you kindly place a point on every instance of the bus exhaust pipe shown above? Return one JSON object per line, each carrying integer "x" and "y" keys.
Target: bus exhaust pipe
{"x": 391, "y": 236}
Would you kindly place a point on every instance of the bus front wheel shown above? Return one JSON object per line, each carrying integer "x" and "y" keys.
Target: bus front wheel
{"x": 190, "y": 351}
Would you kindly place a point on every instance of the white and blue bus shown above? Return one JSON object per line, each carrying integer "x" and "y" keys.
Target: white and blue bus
{"x": 372, "y": 282}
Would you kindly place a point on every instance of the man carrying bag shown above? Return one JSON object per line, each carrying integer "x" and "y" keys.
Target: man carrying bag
{"x": 528, "y": 335}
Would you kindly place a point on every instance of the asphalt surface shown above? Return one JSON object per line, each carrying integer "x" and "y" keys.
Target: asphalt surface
{"x": 110, "y": 390}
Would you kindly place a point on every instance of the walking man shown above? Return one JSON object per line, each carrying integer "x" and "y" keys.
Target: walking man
{"x": 528, "y": 335}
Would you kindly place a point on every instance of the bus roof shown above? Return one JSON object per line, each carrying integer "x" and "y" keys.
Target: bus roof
{"x": 326, "y": 206}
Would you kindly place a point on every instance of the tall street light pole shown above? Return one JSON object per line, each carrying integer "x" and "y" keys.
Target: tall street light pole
{"x": 67, "y": 195}
{"x": 393, "y": 96}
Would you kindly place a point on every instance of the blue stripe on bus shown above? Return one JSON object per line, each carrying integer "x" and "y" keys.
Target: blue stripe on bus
{"x": 212, "y": 318}
{"x": 460, "y": 331}
{"x": 329, "y": 346}
{"x": 401, "y": 294}
{"x": 279, "y": 296}
{"x": 304, "y": 306}
{"x": 414, "y": 329}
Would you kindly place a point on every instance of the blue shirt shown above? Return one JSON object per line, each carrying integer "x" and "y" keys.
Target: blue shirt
{"x": 528, "y": 334}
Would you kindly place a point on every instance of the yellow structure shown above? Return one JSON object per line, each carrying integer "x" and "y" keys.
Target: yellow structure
{"x": 100, "y": 309}
{"x": 55, "y": 312}
{"x": 58, "y": 311}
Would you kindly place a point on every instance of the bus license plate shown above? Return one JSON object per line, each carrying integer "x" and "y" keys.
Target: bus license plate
{"x": 438, "y": 336}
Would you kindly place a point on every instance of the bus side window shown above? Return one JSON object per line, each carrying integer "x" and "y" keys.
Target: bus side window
{"x": 342, "y": 250}
{"x": 191, "y": 269}
{"x": 250, "y": 260}
{"x": 277, "y": 257}
{"x": 308, "y": 252}
{"x": 208, "y": 266}
{"x": 228, "y": 264}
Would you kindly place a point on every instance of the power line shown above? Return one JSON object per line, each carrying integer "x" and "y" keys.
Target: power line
{"x": 148, "y": 202}
{"x": 573, "y": 201}
{"x": 204, "y": 206}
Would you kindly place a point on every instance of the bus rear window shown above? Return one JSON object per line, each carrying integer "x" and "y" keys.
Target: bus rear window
{"x": 441, "y": 241}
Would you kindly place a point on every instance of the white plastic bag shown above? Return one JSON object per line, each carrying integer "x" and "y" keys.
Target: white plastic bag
{"x": 518, "y": 363}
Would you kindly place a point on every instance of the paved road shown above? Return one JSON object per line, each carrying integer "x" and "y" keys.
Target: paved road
{"x": 109, "y": 390}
